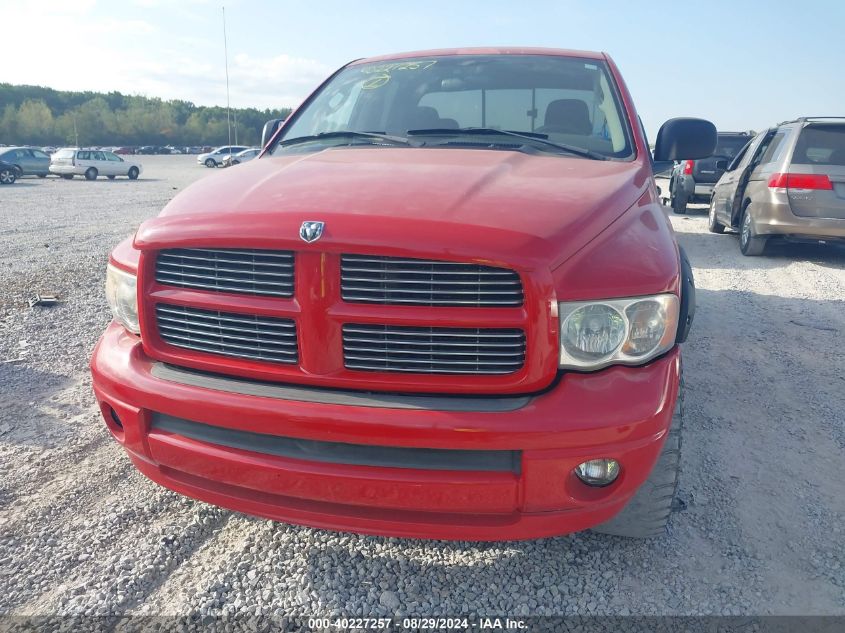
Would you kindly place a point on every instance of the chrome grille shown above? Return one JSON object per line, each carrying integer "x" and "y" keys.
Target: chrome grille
{"x": 253, "y": 272}
{"x": 228, "y": 333}
{"x": 422, "y": 282}
{"x": 433, "y": 350}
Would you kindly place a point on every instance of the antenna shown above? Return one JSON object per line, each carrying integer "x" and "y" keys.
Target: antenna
{"x": 226, "y": 53}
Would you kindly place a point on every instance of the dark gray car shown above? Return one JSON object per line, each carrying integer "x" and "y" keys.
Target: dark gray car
{"x": 30, "y": 161}
{"x": 788, "y": 183}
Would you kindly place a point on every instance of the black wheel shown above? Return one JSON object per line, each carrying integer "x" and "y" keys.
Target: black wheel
{"x": 236, "y": 162}
{"x": 110, "y": 177}
{"x": 8, "y": 176}
{"x": 750, "y": 244}
{"x": 67, "y": 176}
{"x": 712, "y": 223}
{"x": 91, "y": 173}
{"x": 42, "y": 175}
{"x": 133, "y": 173}
{"x": 209, "y": 162}
{"x": 677, "y": 201}
{"x": 647, "y": 514}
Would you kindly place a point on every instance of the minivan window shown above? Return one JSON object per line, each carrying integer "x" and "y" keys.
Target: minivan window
{"x": 567, "y": 100}
{"x": 83, "y": 156}
{"x": 821, "y": 145}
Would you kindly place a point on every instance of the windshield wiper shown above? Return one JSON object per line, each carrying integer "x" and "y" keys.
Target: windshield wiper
{"x": 533, "y": 137}
{"x": 374, "y": 136}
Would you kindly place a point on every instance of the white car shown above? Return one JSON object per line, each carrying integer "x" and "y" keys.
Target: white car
{"x": 242, "y": 157}
{"x": 71, "y": 161}
{"x": 215, "y": 158}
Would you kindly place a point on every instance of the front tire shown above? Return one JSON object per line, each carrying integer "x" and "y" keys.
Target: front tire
{"x": 67, "y": 176}
{"x": 91, "y": 174}
{"x": 750, "y": 244}
{"x": 8, "y": 177}
{"x": 647, "y": 513}
{"x": 209, "y": 162}
{"x": 133, "y": 173}
{"x": 713, "y": 225}
{"x": 110, "y": 177}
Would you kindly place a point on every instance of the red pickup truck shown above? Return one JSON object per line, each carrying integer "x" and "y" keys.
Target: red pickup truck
{"x": 444, "y": 302}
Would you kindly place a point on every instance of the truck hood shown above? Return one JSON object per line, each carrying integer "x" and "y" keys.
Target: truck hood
{"x": 482, "y": 204}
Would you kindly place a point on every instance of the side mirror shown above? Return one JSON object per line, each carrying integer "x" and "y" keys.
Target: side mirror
{"x": 680, "y": 139}
{"x": 722, "y": 164}
{"x": 269, "y": 130}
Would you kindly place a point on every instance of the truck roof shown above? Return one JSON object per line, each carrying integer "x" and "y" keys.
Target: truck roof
{"x": 504, "y": 50}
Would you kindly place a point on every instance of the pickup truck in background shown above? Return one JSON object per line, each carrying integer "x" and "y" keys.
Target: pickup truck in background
{"x": 693, "y": 180}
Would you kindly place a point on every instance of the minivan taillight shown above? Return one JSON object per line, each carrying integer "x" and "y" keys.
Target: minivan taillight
{"x": 799, "y": 181}
{"x": 688, "y": 165}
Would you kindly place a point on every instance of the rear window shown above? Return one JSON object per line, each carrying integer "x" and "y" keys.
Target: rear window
{"x": 64, "y": 153}
{"x": 821, "y": 145}
{"x": 729, "y": 146}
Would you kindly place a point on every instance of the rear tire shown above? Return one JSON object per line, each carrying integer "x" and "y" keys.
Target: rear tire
{"x": 91, "y": 174}
{"x": 133, "y": 173}
{"x": 750, "y": 244}
{"x": 647, "y": 513}
{"x": 67, "y": 176}
{"x": 209, "y": 162}
{"x": 42, "y": 175}
{"x": 8, "y": 176}
{"x": 110, "y": 177}
{"x": 713, "y": 225}
{"x": 679, "y": 203}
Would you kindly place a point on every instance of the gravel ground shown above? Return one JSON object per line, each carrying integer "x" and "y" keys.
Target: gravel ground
{"x": 81, "y": 532}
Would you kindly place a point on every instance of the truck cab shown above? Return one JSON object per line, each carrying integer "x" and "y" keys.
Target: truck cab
{"x": 444, "y": 302}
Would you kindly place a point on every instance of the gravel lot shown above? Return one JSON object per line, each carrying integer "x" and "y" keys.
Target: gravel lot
{"x": 81, "y": 532}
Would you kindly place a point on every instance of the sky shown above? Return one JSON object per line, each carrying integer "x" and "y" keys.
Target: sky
{"x": 741, "y": 64}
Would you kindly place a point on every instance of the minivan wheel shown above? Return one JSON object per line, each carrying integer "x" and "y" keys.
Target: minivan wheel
{"x": 712, "y": 223}
{"x": 8, "y": 177}
{"x": 110, "y": 177}
{"x": 67, "y": 176}
{"x": 209, "y": 162}
{"x": 750, "y": 243}
{"x": 647, "y": 513}
{"x": 91, "y": 174}
{"x": 133, "y": 173}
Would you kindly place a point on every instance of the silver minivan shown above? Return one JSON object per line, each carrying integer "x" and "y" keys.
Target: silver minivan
{"x": 787, "y": 183}
{"x": 71, "y": 161}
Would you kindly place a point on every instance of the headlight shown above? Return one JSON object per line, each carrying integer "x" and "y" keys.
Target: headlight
{"x": 595, "y": 334}
{"x": 122, "y": 295}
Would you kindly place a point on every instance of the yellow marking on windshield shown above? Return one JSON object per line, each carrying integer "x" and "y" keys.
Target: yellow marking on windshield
{"x": 381, "y": 72}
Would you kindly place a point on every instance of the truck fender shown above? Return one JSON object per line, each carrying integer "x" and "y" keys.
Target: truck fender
{"x": 687, "y": 310}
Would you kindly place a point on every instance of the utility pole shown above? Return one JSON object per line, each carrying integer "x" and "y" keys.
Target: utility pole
{"x": 226, "y": 54}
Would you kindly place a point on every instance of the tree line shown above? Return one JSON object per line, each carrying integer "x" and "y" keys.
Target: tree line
{"x": 35, "y": 115}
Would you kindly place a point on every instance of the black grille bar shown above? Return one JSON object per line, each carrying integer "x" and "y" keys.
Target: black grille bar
{"x": 240, "y": 271}
{"x": 406, "y": 281}
{"x": 428, "y": 350}
{"x": 228, "y": 333}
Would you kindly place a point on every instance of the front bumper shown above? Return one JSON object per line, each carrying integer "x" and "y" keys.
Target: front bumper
{"x": 622, "y": 413}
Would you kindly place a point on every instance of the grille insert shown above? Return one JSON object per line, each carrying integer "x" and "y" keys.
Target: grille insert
{"x": 253, "y": 272}
{"x": 422, "y": 282}
{"x": 228, "y": 333}
{"x": 427, "y": 350}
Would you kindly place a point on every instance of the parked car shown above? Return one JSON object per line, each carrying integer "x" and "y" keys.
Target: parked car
{"x": 216, "y": 157}
{"x": 123, "y": 151}
{"x": 482, "y": 336}
{"x": 72, "y": 161}
{"x": 8, "y": 173}
{"x": 241, "y": 157}
{"x": 49, "y": 149}
{"x": 693, "y": 180}
{"x": 788, "y": 183}
{"x": 30, "y": 161}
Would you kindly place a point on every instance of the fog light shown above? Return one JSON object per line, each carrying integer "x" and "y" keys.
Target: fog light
{"x": 598, "y": 472}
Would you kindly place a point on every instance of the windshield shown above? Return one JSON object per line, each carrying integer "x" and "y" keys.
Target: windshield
{"x": 729, "y": 146}
{"x": 569, "y": 101}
